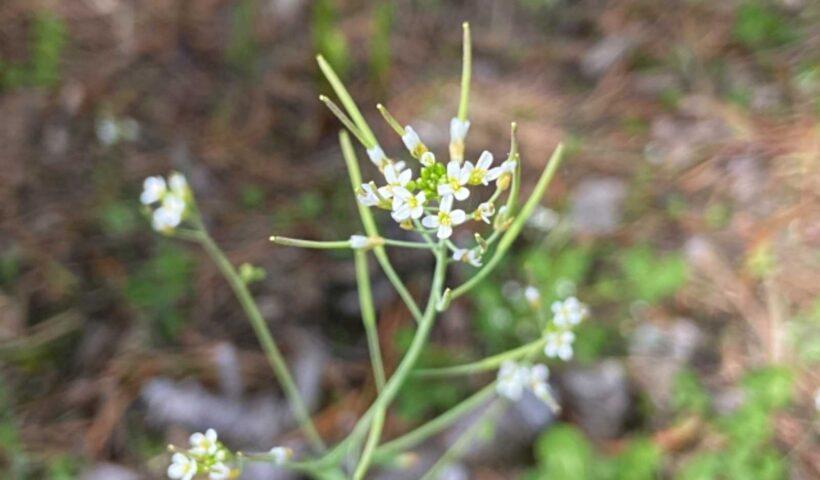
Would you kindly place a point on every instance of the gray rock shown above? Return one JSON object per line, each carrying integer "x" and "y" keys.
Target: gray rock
{"x": 599, "y": 396}
{"x": 597, "y": 205}
{"x": 606, "y": 53}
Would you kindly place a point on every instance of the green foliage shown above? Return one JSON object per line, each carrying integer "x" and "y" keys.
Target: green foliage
{"x": 758, "y": 24}
{"x": 250, "y": 273}
{"x": 420, "y": 398}
{"x": 380, "y": 41}
{"x": 749, "y": 451}
{"x": 564, "y": 453}
{"x": 159, "y": 284}
{"x": 328, "y": 38}
{"x": 688, "y": 395}
{"x": 649, "y": 276}
{"x": 242, "y": 50}
{"x": 48, "y": 37}
{"x": 119, "y": 218}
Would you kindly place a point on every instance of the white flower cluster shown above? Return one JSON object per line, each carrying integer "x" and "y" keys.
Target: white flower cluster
{"x": 207, "y": 455}
{"x": 514, "y": 378}
{"x": 559, "y": 337}
{"x": 169, "y": 200}
{"x": 427, "y": 201}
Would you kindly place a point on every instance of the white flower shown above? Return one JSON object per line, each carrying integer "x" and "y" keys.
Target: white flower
{"x": 539, "y": 374}
{"x": 406, "y": 205}
{"x": 445, "y": 220}
{"x": 479, "y": 174}
{"x": 182, "y": 467}
{"x": 219, "y": 471}
{"x": 377, "y": 156}
{"x": 484, "y": 212}
{"x": 559, "y": 344}
{"x": 508, "y": 166}
{"x": 281, "y": 455}
{"x": 178, "y": 184}
{"x": 472, "y": 256}
{"x": 395, "y": 178}
{"x": 457, "y": 177}
{"x": 153, "y": 188}
{"x": 367, "y": 195}
{"x": 458, "y": 130}
{"x": 413, "y": 142}
{"x": 512, "y": 379}
{"x": 204, "y": 444}
{"x": 569, "y": 312}
{"x": 427, "y": 159}
{"x": 169, "y": 215}
{"x": 532, "y": 295}
{"x": 108, "y": 132}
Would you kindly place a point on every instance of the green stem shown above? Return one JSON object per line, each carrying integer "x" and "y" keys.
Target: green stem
{"x": 260, "y": 328}
{"x": 405, "y": 244}
{"x": 407, "y": 363}
{"x": 489, "y": 363}
{"x": 345, "y": 120}
{"x": 515, "y": 228}
{"x": 370, "y": 227}
{"x": 347, "y": 102}
{"x": 321, "y": 245}
{"x": 466, "y": 69}
{"x": 434, "y": 426}
{"x": 370, "y": 446}
{"x": 467, "y": 435}
{"x": 369, "y": 317}
{"x": 394, "y": 124}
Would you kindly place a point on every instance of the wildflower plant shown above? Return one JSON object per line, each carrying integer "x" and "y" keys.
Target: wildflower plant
{"x": 431, "y": 198}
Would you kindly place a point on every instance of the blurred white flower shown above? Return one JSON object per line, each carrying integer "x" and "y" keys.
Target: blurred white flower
{"x": 471, "y": 256}
{"x": 395, "y": 179}
{"x": 568, "y": 312}
{"x": 512, "y": 379}
{"x": 506, "y": 167}
{"x": 377, "y": 156}
{"x": 406, "y": 205}
{"x": 559, "y": 344}
{"x": 484, "y": 212}
{"x": 367, "y": 196}
{"x": 182, "y": 467}
{"x": 446, "y": 219}
{"x": 458, "y": 129}
{"x": 533, "y": 296}
{"x": 478, "y": 174}
{"x": 153, "y": 188}
{"x": 427, "y": 158}
{"x": 204, "y": 444}
{"x": 539, "y": 374}
{"x": 817, "y": 399}
{"x": 413, "y": 142}
{"x": 169, "y": 215}
{"x": 358, "y": 242}
{"x": 457, "y": 177}
{"x": 178, "y": 184}
{"x": 219, "y": 471}
{"x": 281, "y": 455}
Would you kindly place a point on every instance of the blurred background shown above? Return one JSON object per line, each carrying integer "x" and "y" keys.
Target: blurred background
{"x": 686, "y": 215}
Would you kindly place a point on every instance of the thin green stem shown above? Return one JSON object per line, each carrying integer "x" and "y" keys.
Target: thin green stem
{"x": 321, "y": 245}
{"x": 370, "y": 446}
{"x": 466, "y": 69}
{"x": 345, "y": 120}
{"x": 391, "y": 389}
{"x": 370, "y": 227}
{"x": 467, "y": 435}
{"x": 347, "y": 102}
{"x": 512, "y": 199}
{"x": 260, "y": 328}
{"x": 369, "y": 317}
{"x": 405, "y": 244}
{"x": 515, "y": 228}
{"x": 434, "y": 426}
{"x": 395, "y": 125}
{"x": 483, "y": 365}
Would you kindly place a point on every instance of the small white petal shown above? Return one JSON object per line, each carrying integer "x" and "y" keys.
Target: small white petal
{"x": 376, "y": 155}
{"x": 444, "y": 231}
{"x": 458, "y": 217}
{"x": 430, "y": 221}
{"x": 359, "y": 241}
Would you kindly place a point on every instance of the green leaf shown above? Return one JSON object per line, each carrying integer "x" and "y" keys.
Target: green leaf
{"x": 563, "y": 453}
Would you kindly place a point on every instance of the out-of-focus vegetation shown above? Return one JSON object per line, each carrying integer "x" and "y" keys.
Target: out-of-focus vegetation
{"x": 686, "y": 217}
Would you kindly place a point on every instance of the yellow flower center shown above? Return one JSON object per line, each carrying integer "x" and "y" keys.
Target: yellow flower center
{"x": 444, "y": 219}
{"x": 477, "y": 176}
